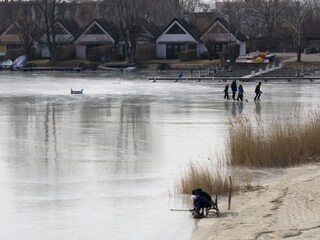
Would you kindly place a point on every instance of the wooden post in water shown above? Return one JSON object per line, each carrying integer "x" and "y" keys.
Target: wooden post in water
{"x": 230, "y": 193}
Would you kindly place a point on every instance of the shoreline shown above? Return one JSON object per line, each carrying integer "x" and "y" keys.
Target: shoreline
{"x": 288, "y": 59}
{"x": 287, "y": 207}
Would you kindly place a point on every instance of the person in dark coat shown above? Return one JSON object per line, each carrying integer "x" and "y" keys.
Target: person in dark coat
{"x": 258, "y": 92}
{"x": 234, "y": 89}
{"x": 200, "y": 203}
{"x": 226, "y": 92}
{"x": 240, "y": 93}
{"x": 201, "y": 193}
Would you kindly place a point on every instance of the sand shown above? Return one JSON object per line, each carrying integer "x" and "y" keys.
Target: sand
{"x": 287, "y": 207}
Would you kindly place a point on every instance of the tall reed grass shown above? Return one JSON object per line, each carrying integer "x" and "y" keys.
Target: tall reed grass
{"x": 205, "y": 177}
{"x": 253, "y": 143}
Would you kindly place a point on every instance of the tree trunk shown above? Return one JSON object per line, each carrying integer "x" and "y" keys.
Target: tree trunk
{"x": 299, "y": 52}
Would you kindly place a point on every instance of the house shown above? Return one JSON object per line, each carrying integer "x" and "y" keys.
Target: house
{"x": 148, "y": 33}
{"x": 9, "y": 38}
{"x": 182, "y": 33}
{"x": 97, "y": 34}
{"x": 66, "y": 31}
{"x": 222, "y": 36}
{"x": 175, "y": 38}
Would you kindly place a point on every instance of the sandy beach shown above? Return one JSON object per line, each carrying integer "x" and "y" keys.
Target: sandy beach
{"x": 285, "y": 208}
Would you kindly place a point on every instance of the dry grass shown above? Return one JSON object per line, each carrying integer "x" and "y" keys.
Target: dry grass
{"x": 302, "y": 65}
{"x": 253, "y": 143}
{"x": 205, "y": 177}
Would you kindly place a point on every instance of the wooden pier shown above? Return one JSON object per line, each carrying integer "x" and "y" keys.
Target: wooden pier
{"x": 50, "y": 69}
{"x": 224, "y": 79}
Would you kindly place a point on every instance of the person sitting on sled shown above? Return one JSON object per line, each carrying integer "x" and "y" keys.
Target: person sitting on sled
{"x": 201, "y": 193}
{"x": 199, "y": 203}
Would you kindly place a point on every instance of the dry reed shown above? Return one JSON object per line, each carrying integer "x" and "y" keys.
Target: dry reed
{"x": 205, "y": 177}
{"x": 252, "y": 143}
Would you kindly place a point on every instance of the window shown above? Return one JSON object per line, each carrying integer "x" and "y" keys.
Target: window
{"x": 174, "y": 49}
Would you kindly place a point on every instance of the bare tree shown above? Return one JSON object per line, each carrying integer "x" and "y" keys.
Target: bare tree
{"x": 209, "y": 42}
{"x": 235, "y": 11}
{"x": 269, "y": 11}
{"x": 297, "y": 21}
{"x": 191, "y": 6}
{"x": 27, "y": 19}
{"x": 130, "y": 15}
{"x": 49, "y": 11}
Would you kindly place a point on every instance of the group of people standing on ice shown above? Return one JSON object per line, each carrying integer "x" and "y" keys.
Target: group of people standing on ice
{"x": 239, "y": 91}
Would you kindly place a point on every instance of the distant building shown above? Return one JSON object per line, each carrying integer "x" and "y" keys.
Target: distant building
{"x": 66, "y": 31}
{"x": 181, "y": 33}
{"x": 9, "y": 38}
{"x": 98, "y": 33}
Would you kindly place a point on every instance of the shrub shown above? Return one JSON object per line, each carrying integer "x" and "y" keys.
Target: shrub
{"x": 146, "y": 52}
{"x": 66, "y": 52}
{"x": 106, "y": 52}
{"x": 191, "y": 45}
{"x": 14, "y": 53}
{"x": 187, "y": 55}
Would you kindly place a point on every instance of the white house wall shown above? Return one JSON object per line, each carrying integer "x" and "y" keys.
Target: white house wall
{"x": 95, "y": 38}
{"x": 44, "y": 52}
{"x": 161, "y": 50}
{"x": 63, "y": 38}
{"x": 176, "y": 38}
{"x": 81, "y": 51}
{"x": 224, "y": 37}
{"x": 243, "y": 47}
{"x": 201, "y": 49}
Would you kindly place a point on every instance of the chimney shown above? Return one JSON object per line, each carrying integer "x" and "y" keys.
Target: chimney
{"x": 187, "y": 18}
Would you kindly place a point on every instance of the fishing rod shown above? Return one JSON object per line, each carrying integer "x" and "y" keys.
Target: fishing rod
{"x": 179, "y": 210}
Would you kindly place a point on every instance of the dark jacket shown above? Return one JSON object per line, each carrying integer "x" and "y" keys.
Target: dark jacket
{"x": 202, "y": 202}
{"x": 257, "y": 90}
{"x": 234, "y": 86}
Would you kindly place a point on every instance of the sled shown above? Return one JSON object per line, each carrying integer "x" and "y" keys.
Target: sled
{"x": 214, "y": 208}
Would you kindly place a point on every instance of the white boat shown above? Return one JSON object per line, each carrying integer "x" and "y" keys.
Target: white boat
{"x": 256, "y": 57}
{"x": 20, "y": 62}
{"x": 110, "y": 68}
{"x": 7, "y": 64}
{"x": 130, "y": 69}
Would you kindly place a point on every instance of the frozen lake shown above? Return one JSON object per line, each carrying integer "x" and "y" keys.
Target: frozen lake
{"x": 102, "y": 165}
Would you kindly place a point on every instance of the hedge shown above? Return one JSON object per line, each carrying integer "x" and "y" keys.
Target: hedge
{"x": 187, "y": 55}
{"x": 146, "y": 52}
{"x": 103, "y": 53}
{"x": 13, "y": 54}
{"x": 66, "y": 52}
